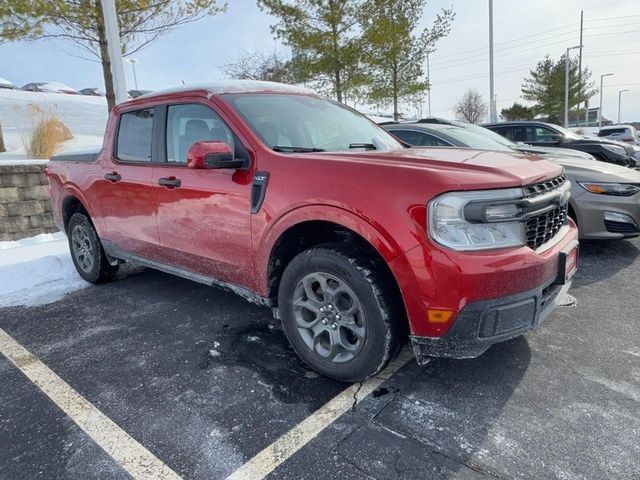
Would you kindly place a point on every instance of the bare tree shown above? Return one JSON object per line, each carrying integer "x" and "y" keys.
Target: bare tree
{"x": 260, "y": 65}
{"x": 471, "y": 107}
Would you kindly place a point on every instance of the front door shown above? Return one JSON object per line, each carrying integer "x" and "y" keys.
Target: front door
{"x": 204, "y": 223}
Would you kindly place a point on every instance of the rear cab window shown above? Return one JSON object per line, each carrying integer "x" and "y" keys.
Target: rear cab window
{"x": 135, "y": 134}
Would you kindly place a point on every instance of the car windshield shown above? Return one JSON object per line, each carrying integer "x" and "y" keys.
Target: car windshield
{"x": 300, "y": 123}
{"x": 481, "y": 138}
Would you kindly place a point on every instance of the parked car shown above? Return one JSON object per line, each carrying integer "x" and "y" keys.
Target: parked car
{"x": 621, "y": 133}
{"x": 49, "y": 87}
{"x": 305, "y": 205}
{"x": 137, "y": 93}
{"x": 605, "y": 198}
{"x": 546, "y": 134}
{"x": 6, "y": 84}
{"x": 92, "y": 91}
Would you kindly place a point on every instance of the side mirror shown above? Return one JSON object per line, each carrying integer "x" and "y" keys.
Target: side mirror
{"x": 557, "y": 138}
{"x": 213, "y": 155}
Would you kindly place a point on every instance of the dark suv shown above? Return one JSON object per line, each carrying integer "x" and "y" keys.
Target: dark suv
{"x": 547, "y": 134}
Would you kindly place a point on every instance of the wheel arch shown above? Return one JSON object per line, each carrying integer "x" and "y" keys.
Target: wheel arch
{"x": 306, "y": 233}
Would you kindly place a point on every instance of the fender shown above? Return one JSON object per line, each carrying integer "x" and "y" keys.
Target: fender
{"x": 380, "y": 239}
{"x": 72, "y": 190}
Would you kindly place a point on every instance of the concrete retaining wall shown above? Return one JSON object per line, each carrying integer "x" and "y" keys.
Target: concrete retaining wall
{"x": 25, "y": 209}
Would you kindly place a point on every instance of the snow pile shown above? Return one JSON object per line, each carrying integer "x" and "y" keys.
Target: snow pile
{"x": 36, "y": 271}
{"x": 85, "y": 116}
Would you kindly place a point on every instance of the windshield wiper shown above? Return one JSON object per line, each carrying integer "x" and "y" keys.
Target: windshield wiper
{"x": 366, "y": 146}
{"x": 288, "y": 148}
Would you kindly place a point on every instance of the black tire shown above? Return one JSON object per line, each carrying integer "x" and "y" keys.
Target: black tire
{"x": 86, "y": 250}
{"x": 372, "y": 337}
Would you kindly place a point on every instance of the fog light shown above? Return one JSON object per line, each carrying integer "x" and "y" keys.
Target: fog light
{"x": 619, "y": 217}
{"x": 439, "y": 316}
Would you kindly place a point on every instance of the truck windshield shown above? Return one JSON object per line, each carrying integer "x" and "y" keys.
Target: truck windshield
{"x": 300, "y": 124}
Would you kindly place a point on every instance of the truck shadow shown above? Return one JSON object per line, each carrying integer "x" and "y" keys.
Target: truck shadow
{"x": 450, "y": 415}
{"x": 600, "y": 259}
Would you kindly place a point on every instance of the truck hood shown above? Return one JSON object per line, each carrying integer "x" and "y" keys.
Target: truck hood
{"x": 467, "y": 168}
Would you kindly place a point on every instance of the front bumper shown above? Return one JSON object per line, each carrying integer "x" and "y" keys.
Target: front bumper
{"x": 481, "y": 324}
{"x": 431, "y": 277}
{"x": 592, "y": 222}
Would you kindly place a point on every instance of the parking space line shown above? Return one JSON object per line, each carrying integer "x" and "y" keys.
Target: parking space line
{"x": 284, "y": 447}
{"x": 139, "y": 462}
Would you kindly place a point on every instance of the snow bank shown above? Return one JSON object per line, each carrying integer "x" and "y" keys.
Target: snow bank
{"x": 85, "y": 116}
{"x": 36, "y": 271}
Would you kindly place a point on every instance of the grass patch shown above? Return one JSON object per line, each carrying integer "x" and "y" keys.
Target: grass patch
{"x": 44, "y": 134}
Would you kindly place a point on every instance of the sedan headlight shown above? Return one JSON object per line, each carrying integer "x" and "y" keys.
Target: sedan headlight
{"x": 617, "y": 189}
{"x": 615, "y": 149}
{"x": 499, "y": 227}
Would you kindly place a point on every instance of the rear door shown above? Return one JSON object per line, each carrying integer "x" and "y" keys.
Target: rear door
{"x": 125, "y": 191}
{"x": 204, "y": 219}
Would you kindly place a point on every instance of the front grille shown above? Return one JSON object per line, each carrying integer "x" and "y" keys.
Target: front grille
{"x": 620, "y": 227}
{"x": 544, "y": 187}
{"x": 543, "y": 227}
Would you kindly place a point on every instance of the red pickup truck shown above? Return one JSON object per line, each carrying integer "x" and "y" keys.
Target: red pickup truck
{"x": 302, "y": 204}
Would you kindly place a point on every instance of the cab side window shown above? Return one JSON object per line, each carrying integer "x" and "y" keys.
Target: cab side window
{"x": 191, "y": 123}
{"x": 542, "y": 135}
{"x": 135, "y": 132}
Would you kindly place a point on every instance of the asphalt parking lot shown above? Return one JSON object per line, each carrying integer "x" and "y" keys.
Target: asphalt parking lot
{"x": 205, "y": 381}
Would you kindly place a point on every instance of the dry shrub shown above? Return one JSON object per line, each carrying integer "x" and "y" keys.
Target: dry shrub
{"x": 2, "y": 147}
{"x": 44, "y": 134}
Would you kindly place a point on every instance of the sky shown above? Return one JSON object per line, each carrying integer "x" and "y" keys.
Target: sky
{"x": 523, "y": 33}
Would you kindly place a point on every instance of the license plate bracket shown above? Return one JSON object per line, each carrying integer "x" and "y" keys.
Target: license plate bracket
{"x": 567, "y": 263}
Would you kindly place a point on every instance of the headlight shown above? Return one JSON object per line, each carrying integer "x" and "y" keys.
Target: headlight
{"x": 449, "y": 226}
{"x": 618, "y": 189}
{"x": 615, "y": 149}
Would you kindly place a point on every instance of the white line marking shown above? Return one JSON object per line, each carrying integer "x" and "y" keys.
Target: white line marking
{"x": 139, "y": 462}
{"x": 284, "y": 447}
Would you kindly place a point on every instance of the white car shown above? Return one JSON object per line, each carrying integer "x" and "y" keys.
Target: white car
{"x": 4, "y": 83}
{"x": 49, "y": 87}
{"x": 621, "y": 133}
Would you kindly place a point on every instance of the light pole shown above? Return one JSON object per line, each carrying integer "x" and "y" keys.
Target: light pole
{"x": 566, "y": 85}
{"x": 619, "y": 100}
{"x": 492, "y": 104}
{"x": 428, "y": 91}
{"x": 133, "y": 62}
{"x": 115, "y": 52}
{"x": 600, "y": 109}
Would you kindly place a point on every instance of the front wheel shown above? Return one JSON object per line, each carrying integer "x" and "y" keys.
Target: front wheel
{"x": 338, "y": 312}
{"x": 87, "y": 253}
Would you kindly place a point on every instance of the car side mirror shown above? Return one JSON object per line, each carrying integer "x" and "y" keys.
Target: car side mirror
{"x": 557, "y": 138}
{"x": 213, "y": 155}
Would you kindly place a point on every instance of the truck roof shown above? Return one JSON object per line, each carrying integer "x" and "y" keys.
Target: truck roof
{"x": 221, "y": 87}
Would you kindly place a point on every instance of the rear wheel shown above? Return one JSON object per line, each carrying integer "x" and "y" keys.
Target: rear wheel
{"x": 338, "y": 312}
{"x": 87, "y": 253}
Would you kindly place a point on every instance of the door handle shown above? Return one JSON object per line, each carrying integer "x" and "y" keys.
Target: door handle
{"x": 169, "y": 182}
{"x": 113, "y": 177}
